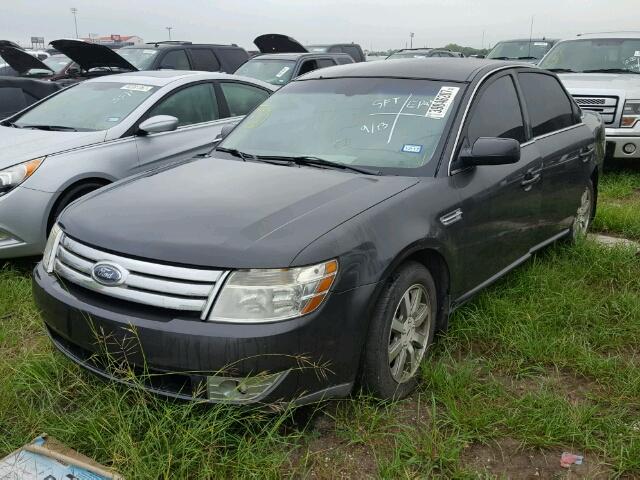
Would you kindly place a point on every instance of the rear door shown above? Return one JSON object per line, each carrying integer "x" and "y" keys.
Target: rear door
{"x": 197, "y": 109}
{"x": 565, "y": 143}
{"x": 499, "y": 203}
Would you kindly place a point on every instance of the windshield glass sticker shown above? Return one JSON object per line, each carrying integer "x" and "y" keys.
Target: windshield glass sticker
{"x": 148, "y": 52}
{"x": 113, "y": 119}
{"x": 440, "y": 105}
{"x": 540, "y": 44}
{"x": 282, "y": 72}
{"x": 408, "y": 148}
{"x": 136, "y": 88}
{"x": 637, "y": 54}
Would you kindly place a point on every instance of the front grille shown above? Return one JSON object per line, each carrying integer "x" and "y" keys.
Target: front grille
{"x": 147, "y": 283}
{"x": 605, "y": 106}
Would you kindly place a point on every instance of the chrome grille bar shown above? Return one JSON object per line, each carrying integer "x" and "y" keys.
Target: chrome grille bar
{"x": 605, "y": 106}
{"x": 158, "y": 285}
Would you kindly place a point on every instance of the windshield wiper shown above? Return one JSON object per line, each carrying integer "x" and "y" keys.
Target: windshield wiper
{"x": 501, "y": 58}
{"x": 319, "y": 162}
{"x": 527, "y": 58}
{"x": 236, "y": 153}
{"x": 561, "y": 70}
{"x": 609, "y": 70}
{"x": 52, "y": 128}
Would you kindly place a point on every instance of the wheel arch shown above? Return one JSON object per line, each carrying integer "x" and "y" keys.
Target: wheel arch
{"x": 97, "y": 180}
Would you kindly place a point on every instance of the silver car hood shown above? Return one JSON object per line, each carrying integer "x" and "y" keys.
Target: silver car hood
{"x": 625, "y": 85}
{"x": 20, "y": 145}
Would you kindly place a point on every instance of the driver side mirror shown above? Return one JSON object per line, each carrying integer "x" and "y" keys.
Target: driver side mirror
{"x": 158, "y": 124}
{"x": 491, "y": 151}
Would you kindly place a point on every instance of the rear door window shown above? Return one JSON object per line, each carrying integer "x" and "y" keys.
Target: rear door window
{"x": 344, "y": 60}
{"x": 191, "y": 105}
{"x": 325, "y": 62}
{"x": 242, "y": 98}
{"x": 549, "y": 107}
{"x": 175, "y": 60}
{"x": 352, "y": 50}
{"x": 204, "y": 59}
{"x": 497, "y": 113}
{"x": 308, "y": 66}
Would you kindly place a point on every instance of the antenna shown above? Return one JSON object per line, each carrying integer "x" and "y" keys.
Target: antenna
{"x": 530, "y": 36}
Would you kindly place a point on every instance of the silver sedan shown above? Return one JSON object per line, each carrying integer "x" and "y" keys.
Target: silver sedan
{"x": 93, "y": 133}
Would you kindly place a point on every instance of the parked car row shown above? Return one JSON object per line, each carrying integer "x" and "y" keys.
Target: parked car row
{"x": 315, "y": 247}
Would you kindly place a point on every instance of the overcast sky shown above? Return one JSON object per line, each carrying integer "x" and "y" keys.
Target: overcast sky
{"x": 372, "y": 23}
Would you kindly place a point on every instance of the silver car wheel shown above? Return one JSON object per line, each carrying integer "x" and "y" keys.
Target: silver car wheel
{"x": 583, "y": 215}
{"x": 409, "y": 335}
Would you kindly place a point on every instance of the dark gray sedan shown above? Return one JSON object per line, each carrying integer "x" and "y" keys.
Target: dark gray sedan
{"x": 337, "y": 228}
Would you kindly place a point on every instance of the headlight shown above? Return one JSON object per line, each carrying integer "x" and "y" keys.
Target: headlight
{"x": 50, "y": 250}
{"x": 254, "y": 296}
{"x": 630, "y": 114}
{"x": 13, "y": 176}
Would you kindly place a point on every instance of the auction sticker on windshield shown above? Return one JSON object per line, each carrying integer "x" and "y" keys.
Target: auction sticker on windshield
{"x": 440, "y": 105}
{"x": 282, "y": 72}
{"x": 136, "y": 88}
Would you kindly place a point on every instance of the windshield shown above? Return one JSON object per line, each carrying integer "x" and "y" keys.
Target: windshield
{"x": 88, "y": 106}
{"x": 276, "y": 72}
{"x": 621, "y": 54}
{"x": 141, "y": 58}
{"x": 516, "y": 50}
{"x": 317, "y": 48}
{"x": 414, "y": 54}
{"x": 377, "y": 122}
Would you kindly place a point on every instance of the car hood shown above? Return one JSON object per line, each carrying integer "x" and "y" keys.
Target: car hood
{"x": 91, "y": 55}
{"x": 580, "y": 83}
{"x": 20, "y": 145}
{"x": 21, "y": 61}
{"x": 277, "y": 43}
{"x": 214, "y": 212}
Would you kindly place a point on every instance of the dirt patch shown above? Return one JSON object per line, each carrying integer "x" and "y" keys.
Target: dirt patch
{"x": 506, "y": 459}
{"x": 327, "y": 456}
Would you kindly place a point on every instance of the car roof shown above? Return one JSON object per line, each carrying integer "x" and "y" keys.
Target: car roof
{"x": 160, "y": 78}
{"x": 332, "y": 45}
{"x": 296, "y": 56}
{"x": 453, "y": 69}
{"x": 550, "y": 40}
{"x": 163, "y": 45}
{"x": 629, "y": 34}
{"x": 417, "y": 49}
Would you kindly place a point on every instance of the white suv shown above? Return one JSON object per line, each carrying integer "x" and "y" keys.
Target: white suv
{"x": 602, "y": 72}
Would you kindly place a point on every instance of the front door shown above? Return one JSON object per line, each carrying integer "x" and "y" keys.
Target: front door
{"x": 199, "y": 123}
{"x": 499, "y": 203}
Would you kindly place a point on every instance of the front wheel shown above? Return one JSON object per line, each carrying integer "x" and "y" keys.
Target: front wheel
{"x": 584, "y": 215}
{"x": 401, "y": 331}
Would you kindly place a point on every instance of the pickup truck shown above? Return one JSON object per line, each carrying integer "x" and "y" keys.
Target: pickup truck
{"x": 602, "y": 73}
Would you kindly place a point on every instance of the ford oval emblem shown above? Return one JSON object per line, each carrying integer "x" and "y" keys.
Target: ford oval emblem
{"x": 108, "y": 274}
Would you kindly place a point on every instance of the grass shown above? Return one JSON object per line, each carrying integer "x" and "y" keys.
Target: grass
{"x": 544, "y": 362}
{"x": 619, "y": 208}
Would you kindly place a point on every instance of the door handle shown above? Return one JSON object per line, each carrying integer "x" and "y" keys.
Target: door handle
{"x": 530, "y": 179}
{"x": 585, "y": 153}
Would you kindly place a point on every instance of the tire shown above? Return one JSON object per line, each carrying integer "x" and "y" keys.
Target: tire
{"x": 69, "y": 196}
{"x": 584, "y": 214}
{"x": 381, "y": 374}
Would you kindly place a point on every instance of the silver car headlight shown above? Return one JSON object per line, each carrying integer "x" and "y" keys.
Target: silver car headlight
{"x": 11, "y": 177}
{"x": 255, "y": 296}
{"x": 50, "y": 250}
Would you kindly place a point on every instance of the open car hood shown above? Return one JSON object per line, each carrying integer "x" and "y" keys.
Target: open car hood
{"x": 277, "y": 43}
{"x": 9, "y": 43}
{"x": 20, "y": 60}
{"x": 91, "y": 55}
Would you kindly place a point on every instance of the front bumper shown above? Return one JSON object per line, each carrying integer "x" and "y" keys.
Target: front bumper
{"x": 617, "y": 141}
{"x": 23, "y": 222}
{"x": 317, "y": 355}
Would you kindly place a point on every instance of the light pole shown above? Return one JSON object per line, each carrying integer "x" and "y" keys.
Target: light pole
{"x": 74, "y": 11}
{"x": 169, "y": 30}
{"x": 411, "y": 35}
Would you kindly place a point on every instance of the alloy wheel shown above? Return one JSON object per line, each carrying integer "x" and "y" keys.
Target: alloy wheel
{"x": 583, "y": 215}
{"x": 409, "y": 335}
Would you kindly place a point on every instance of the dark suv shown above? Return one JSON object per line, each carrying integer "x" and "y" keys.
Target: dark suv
{"x": 178, "y": 55}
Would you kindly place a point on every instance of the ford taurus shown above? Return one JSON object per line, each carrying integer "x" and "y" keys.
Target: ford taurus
{"x": 329, "y": 235}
